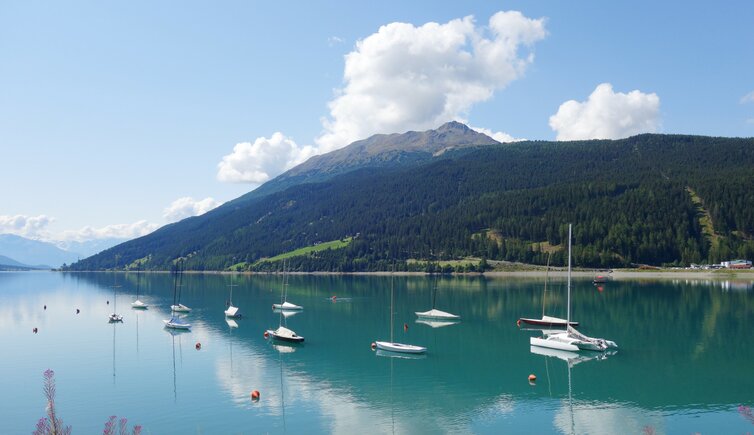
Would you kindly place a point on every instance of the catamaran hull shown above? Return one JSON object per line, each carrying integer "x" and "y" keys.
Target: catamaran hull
{"x": 399, "y": 347}
{"x": 553, "y": 344}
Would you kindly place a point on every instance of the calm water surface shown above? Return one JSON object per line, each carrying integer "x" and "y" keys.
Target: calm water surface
{"x": 684, "y": 364}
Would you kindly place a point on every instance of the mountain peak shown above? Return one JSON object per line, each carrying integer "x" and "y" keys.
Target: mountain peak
{"x": 454, "y": 125}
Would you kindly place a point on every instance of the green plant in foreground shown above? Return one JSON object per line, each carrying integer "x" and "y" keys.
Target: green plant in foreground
{"x": 52, "y": 425}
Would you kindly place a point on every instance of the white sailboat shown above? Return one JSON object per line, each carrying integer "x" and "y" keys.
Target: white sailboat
{"x": 435, "y": 314}
{"x": 548, "y": 321}
{"x": 571, "y": 339}
{"x": 391, "y": 345}
{"x": 177, "y": 306}
{"x": 175, "y": 322}
{"x": 282, "y": 333}
{"x": 114, "y": 316}
{"x": 232, "y": 311}
{"x": 284, "y": 305}
{"x": 138, "y": 304}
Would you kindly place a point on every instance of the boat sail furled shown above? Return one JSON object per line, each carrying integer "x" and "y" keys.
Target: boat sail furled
{"x": 571, "y": 339}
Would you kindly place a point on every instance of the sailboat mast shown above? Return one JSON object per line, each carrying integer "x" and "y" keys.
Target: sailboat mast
{"x": 544, "y": 293}
{"x": 568, "y": 317}
{"x": 175, "y": 285}
{"x": 392, "y": 277}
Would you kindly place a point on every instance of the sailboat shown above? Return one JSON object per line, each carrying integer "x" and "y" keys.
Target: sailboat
{"x": 176, "y": 322}
{"x": 282, "y": 333}
{"x": 571, "y": 339}
{"x": 137, "y": 303}
{"x": 391, "y": 345}
{"x": 284, "y": 305}
{"x": 547, "y": 320}
{"x": 232, "y": 311}
{"x": 177, "y": 306}
{"x": 114, "y": 316}
{"x": 435, "y": 314}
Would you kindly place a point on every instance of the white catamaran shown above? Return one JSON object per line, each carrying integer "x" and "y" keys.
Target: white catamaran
{"x": 571, "y": 339}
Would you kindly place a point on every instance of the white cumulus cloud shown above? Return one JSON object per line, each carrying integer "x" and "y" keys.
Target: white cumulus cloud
{"x": 607, "y": 115}
{"x": 114, "y": 231}
{"x": 33, "y": 227}
{"x": 406, "y": 77}
{"x": 497, "y": 135}
{"x": 187, "y": 206}
{"x": 262, "y": 160}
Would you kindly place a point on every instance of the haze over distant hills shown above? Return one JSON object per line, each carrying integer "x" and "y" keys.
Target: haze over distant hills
{"x": 451, "y": 193}
{"x": 34, "y": 252}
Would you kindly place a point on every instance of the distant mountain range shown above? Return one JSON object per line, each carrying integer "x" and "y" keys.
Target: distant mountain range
{"x": 11, "y": 264}
{"x": 452, "y": 193}
{"x": 34, "y": 252}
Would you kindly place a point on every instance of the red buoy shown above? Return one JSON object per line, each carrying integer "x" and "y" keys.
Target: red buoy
{"x": 266, "y": 334}
{"x": 532, "y": 378}
{"x": 198, "y": 345}
{"x": 374, "y": 346}
{"x": 333, "y": 298}
{"x": 255, "y": 395}
{"x": 518, "y": 322}
{"x": 405, "y": 326}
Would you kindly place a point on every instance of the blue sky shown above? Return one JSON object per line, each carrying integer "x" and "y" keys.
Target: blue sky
{"x": 115, "y": 118}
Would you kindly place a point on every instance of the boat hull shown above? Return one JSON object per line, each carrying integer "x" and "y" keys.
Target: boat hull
{"x": 180, "y": 308}
{"x": 232, "y": 312}
{"x": 176, "y": 325}
{"x": 139, "y": 305}
{"x": 285, "y": 337}
{"x": 287, "y": 306}
{"x": 437, "y": 315}
{"x": 547, "y": 322}
{"x": 399, "y": 347}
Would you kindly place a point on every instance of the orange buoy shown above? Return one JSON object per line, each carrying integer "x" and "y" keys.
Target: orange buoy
{"x": 266, "y": 334}
{"x": 255, "y": 395}
{"x": 374, "y": 346}
{"x": 198, "y": 345}
{"x": 532, "y": 378}
{"x": 518, "y": 322}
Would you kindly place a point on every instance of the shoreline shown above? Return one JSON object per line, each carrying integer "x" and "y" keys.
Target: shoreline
{"x": 612, "y": 275}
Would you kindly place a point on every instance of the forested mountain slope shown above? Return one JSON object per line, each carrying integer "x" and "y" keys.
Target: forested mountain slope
{"x": 629, "y": 199}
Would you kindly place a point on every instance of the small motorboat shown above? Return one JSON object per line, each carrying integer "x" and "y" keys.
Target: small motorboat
{"x": 399, "y": 347}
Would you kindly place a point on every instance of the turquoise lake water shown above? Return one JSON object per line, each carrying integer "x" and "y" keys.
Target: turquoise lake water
{"x": 685, "y": 362}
